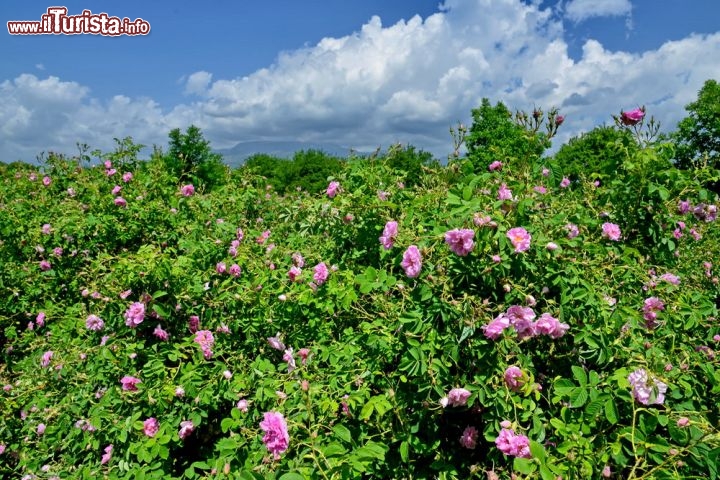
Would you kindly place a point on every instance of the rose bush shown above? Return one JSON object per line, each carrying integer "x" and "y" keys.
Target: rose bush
{"x": 439, "y": 332}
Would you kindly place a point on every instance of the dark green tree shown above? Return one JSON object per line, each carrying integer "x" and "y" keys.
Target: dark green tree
{"x": 269, "y": 167}
{"x": 495, "y": 135}
{"x": 698, "y": 135}
{"x": 191, "y": 159}
{"x": 310, "y": 170}
{"x": 599, "y": 151}
{"x": 409, "y": 162}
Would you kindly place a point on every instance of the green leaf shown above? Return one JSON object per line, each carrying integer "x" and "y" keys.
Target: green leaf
{"x": 537, "y": 450}
{"x": 160, "y": 310}
{"x": 466, "y": 332}
{"x": 342, "y": 433}
{"x": 291, "y": 476}
{"x": 579, "y": 375}
{"x": 594, "y": 407}
{"x": 334, "y": 450}
{"x": 611, "y": 412}
{"x": 226, "y": 424}
{"x": 524, "y": 465}
{"x": 467, "y": 193}
{"x": 546, "y": 474}
{"x": 405, "y": 451}
{"x": 367, "y": 410}
{"x": 578, "y": 398}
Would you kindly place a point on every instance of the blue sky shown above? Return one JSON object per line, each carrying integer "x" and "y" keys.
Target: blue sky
{"x": 359, "y": 73}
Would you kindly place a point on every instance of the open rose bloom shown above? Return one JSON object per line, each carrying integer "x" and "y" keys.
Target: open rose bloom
{"x": 633, "y": 117}
{"x": 276, "y": 437}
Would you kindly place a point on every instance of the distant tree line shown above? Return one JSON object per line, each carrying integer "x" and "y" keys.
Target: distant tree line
{"x": 518, "y": 140}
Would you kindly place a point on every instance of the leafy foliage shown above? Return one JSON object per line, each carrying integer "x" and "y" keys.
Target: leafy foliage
{"x": 372, "y": 359}
{"x": 191, "y": 159}
{"x": 599, "y": 152}
{"x": 494, "y": 135}
{"x": 698, "y": 135}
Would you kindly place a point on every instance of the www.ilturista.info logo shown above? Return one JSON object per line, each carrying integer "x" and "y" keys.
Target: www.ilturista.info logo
{"x": 57, "y": 22}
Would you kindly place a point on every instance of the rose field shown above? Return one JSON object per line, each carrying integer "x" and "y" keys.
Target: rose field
{"x": 510, "y": 313}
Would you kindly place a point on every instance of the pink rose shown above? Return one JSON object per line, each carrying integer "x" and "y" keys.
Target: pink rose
{"x": 633, "y": 117}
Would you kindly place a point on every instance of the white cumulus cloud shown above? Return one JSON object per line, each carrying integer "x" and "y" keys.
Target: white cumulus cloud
{"x": 198, "y": 82}
{"x": 579, "y": 10}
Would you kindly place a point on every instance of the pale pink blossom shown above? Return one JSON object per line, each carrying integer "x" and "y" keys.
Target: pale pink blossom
{"x": 460, "y": 241}
{"x": 186, "y": 429}
{"x": 46, "y": 359}
{"x": 504, "y": 193}
{"x": 298, "y": 260}
{"x": 276, "y": 343}
{"x": 509, "y": 443}
{"x": 646, "y": 390}
{"x": 514, "y": 378}
{"x": 496, "y": 165}
{"x": 632, "y": 117}
{"x": 550, "y": 326}
{"x": 457, "y": 397}
{"x": 161, "y": 334}
{"x": 321, "y": 273}
{"x": 235, "y": 270}
{"x": 294, "y": 273}
{"x": 303, "y": 353}
{"x": 332, "y": 189}
{"x": 135, "y": 314}
{"x": 151, "y": 427}
{"x": 94, "y": 323}
{"x": 572, "y": 230}
{"x": 389, "y": 233}
{"x": 469, "y": 438}
{"x": 496, "y": 327}
{"x": 130, "y": 383}
{"x": 611, "y": 231}
{"x": 107, "y": 455}
{"x": 205, "y": 339}
{"x": 520, "y": 239}
{"x": 276, "y": 436}
{"x": 412, "y": 261}
{"x": 290, "y": 359}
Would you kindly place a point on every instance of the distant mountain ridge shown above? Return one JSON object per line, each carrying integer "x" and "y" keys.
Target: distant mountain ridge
{"x": 236, "y": 156}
